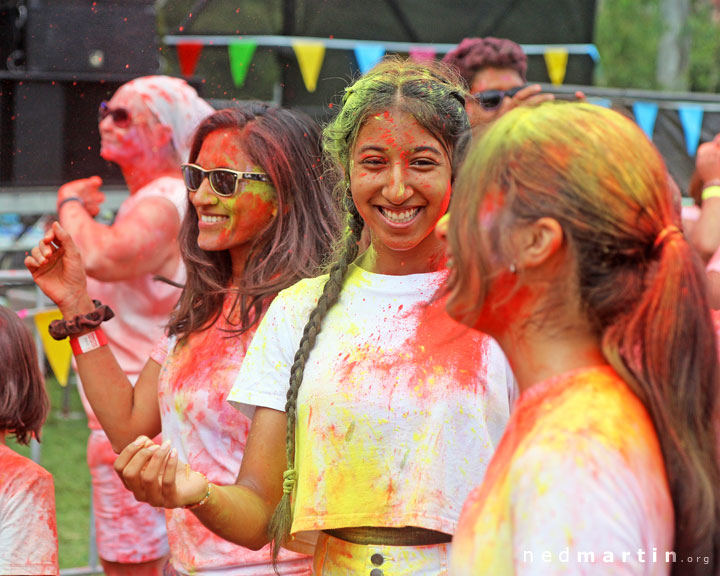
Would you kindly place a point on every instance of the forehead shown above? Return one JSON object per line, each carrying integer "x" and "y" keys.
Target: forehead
{"x": 394, "y": 130}
{"x": 496, "y": 79}
{"x": 225, "y": 148}
{"x": 127, "y": 97}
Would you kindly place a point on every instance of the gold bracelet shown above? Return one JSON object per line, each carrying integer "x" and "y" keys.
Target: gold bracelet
{"x": 204, "y": 498}
{"x": 711, "y": 192}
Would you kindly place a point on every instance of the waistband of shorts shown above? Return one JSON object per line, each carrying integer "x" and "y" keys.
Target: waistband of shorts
{"x": 385, "y": 536}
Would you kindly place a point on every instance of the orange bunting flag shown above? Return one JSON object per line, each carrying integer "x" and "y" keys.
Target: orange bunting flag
{"x": 556, "y": 62}
{"x": 310, "y": 56}
{"x": 58, "y": 352}
{"x": 240, "y": 54}
{"x": 188, "y": 55}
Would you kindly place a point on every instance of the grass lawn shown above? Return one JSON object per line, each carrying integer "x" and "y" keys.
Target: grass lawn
{"x": 64, "y": 441}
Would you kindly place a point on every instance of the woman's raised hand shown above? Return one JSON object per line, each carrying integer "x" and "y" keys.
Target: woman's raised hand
{"x": 57, "y": 268}
{"x": 87, "y": 190}
{"x": 152, "y": 474}
{"x": 707, "y": 161}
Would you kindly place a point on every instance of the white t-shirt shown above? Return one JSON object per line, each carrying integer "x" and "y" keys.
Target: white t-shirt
{"x": 577, "y": 486}
{"x": 210, "y": 435}
{"x": 400, "y": 410}
{"x": 28, "y": 530}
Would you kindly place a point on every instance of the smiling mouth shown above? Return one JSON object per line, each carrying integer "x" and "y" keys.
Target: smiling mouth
{"x": 399, "y": 217}
{"x": 212, "y": 219}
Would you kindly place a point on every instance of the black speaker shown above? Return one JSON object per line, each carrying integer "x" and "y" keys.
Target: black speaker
{"x": 13, "y": 15}
{"x": 85, "y": 36}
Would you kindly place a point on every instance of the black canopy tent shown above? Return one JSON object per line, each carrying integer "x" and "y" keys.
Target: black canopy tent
{"x": 69, "y": 48}
{"x": 440, "y": 22}
{"x": 65, "y": 56}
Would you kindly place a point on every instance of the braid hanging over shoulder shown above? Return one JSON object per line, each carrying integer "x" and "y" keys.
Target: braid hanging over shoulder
{"x": 281, "y": 521}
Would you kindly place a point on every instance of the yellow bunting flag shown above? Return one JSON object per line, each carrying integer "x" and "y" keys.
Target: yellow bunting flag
{"x": 556, "y": 62}
{"x": 58, "y": 352}
{"x": 310, "y": 56}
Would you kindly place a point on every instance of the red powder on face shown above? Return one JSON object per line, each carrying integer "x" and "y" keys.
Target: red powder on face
{"x": 506, "y": 304}
{"x": 492, "y": 202}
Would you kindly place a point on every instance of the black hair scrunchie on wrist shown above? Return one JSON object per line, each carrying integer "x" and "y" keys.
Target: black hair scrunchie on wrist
{"x": 61, "y": 329}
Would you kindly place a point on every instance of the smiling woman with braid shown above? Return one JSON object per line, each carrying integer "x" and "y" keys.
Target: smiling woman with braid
{"x": 393, "y": 409}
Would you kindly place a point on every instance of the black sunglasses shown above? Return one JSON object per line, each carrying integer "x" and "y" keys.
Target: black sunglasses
{"x": 120, "y": 116}
{"x": 223, "y": 181}
{"x": 491, "y": 99}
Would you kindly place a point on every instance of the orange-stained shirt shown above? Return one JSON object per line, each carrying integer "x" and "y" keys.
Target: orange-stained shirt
{"x": 210, "y": 435}
{"x": 28, "y": 529}
{"x": 577, "y": 486}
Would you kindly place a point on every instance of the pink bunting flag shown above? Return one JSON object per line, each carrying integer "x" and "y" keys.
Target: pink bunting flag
{"x": 422, "y": 54}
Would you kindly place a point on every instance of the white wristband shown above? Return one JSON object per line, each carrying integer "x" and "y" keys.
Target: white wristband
{"x": 88, "y": 342}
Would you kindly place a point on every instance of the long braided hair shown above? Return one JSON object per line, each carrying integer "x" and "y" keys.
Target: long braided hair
{"x": 434, "y": 95}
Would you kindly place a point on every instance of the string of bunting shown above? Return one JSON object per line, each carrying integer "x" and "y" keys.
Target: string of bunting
{"x": 690, "y": 115}
{"x": 310, "y": 53}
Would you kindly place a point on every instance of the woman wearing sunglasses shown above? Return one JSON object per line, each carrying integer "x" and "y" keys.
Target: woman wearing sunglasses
{"x": 145, "y": 129}
{"x": 260, "y": 217}
{"x": 565, "y": 247}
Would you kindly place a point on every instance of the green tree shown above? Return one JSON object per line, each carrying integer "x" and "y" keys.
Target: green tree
{"x": 704, "y": 27}
{"x": 628, "y": 34}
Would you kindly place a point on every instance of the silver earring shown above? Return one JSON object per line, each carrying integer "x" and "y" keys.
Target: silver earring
{"x": 513, "y": 268}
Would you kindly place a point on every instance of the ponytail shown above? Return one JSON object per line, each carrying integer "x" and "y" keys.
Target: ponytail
{"x": 664, "y": 348}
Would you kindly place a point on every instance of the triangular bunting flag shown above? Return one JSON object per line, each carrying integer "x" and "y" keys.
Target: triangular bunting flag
{"x": 556, "y": 62}
{"x": 188, "y": 55}
{"x": 367, "y": 55}
{"x": 422, "y": 54}
{"x": 645, "y": 115}
{"x": 58, "y": 352}
{"x": 240, "y": 54}
{"x": 593, "y": 53}
{"x": 691, "y": 117}
{"x": 604, "y": 102}
{"x": 310, "y": 56}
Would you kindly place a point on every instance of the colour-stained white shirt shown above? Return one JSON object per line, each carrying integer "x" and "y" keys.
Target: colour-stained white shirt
{"x": 577, "y": 487}
{"x": 142, "y": 305}
{"x": 210, "y": 435}
{"x": 28, "y": 529}
{"x": 714, "y": 264}
{"x": 400, "y": 409}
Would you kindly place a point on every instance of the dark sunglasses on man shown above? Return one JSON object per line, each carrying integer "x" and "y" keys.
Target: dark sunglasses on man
{"x": 491, "y": 99}
{"x": 223, "y": 181}
{"x": 120, "y": 116}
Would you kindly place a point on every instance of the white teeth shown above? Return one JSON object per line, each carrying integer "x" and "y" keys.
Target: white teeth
{"x": 212, "y": 219}
{"x": 400, "y": 217}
